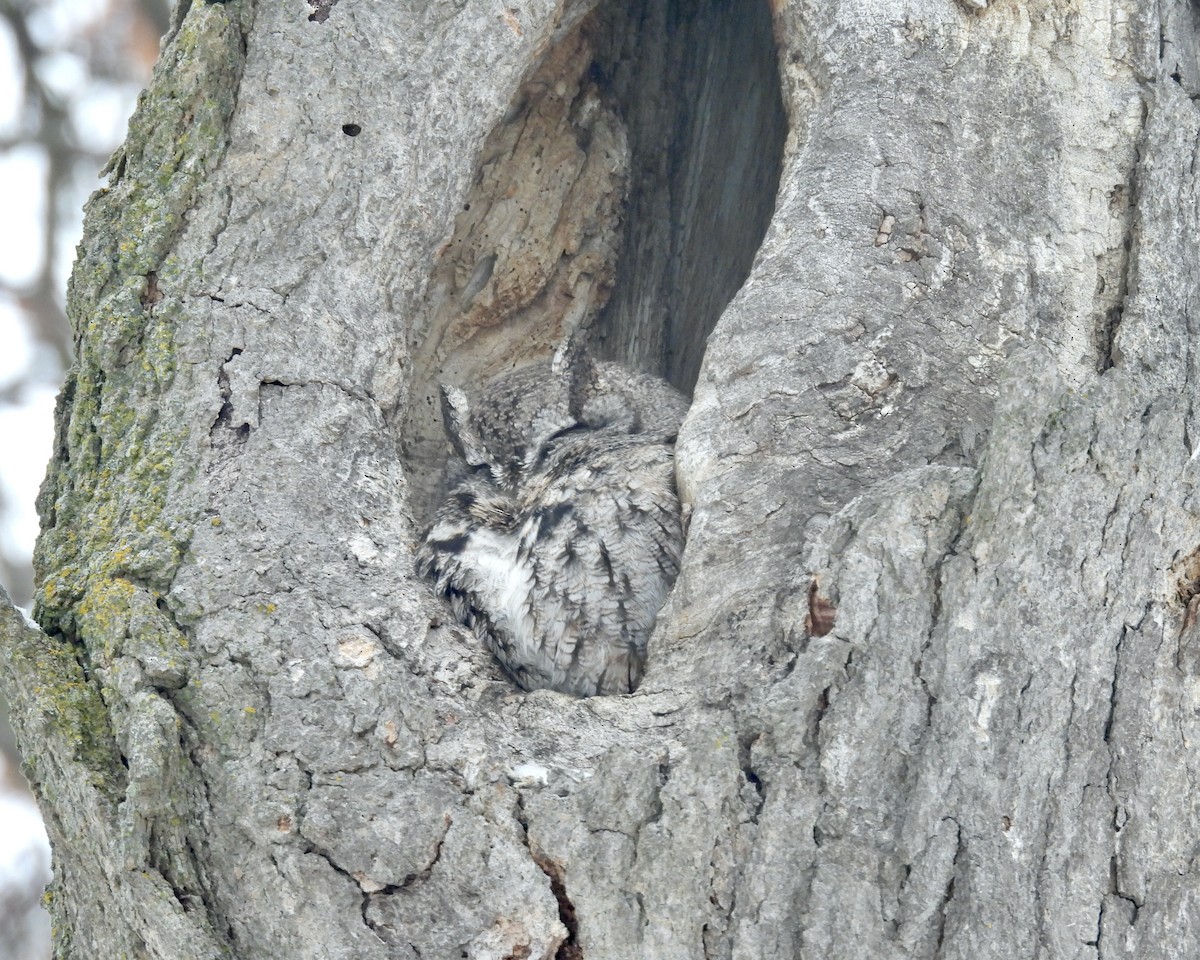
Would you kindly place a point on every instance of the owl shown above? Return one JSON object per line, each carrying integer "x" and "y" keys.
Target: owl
{"x": 561, "y": 533}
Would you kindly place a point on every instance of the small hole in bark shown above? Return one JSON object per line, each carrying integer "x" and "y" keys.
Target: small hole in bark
{"x": 821, "y": 612}
{"x": 152, "y": 294}
{"x": 351, "y": 129}
{"x": 321, "y": 10}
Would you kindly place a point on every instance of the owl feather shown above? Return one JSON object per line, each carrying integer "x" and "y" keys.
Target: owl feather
{"x": 562, "y": 538}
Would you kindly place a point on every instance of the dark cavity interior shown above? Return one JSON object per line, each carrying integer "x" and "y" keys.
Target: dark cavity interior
{"x": 697, "y": 85}
{"x": 624, "y": 194}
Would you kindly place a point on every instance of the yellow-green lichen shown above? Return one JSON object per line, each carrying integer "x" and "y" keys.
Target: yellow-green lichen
{"x": 112, "y": 536}
{"x": 48, "y": 683}
{"x": 108, "y": 492}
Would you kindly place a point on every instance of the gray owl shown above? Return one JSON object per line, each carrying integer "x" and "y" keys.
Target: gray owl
{"x": 561, "y": 538}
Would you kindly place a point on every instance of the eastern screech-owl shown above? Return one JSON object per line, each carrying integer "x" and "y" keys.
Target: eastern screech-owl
{"x": 562, "y": 537}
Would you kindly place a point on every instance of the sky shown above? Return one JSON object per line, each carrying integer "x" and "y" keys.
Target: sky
{"x": 25, "y": 426}
{"x": 26, "y": 430}
{"x": 24, "y": 869}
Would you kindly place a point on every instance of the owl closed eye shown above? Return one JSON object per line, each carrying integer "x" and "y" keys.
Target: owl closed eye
{"x": 562, "y": 537}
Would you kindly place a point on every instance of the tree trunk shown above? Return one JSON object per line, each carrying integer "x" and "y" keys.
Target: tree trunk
{"x": 927, "y": 684}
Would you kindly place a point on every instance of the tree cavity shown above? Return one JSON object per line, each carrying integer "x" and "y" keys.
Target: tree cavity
{"x": 624, "y": 193}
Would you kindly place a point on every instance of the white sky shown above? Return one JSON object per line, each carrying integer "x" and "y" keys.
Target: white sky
{"x": 26, "y": 435}
{"x": 26, "y": 428}
{"x": 23, "y": 200}
{"x": 24, "y": 849}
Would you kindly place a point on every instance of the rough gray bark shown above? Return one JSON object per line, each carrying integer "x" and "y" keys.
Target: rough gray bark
{"x": 927, "y": 683}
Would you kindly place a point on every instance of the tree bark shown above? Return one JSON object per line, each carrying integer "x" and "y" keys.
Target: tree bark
{"x": 927, "y": 683}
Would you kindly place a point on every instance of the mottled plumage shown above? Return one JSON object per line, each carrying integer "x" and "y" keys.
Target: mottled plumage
{"x": 559, "y": 542}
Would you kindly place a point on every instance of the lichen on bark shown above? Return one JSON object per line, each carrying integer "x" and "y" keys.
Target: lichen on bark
{"x": 112, "y": 531}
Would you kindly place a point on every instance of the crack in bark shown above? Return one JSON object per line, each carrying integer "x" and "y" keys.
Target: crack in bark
{"x": 283, "y": 385}
{"x": 367, "y": 895}
{"x": 225, "y": 414}
{"x": 1116, "y": 261}
{"x": 1114, "y": 884}
{"x": 664, "y": 774}
{"x": 1120, "y": 816}
{"x": 190, "y": 742}
{"x": 948, "y": 893}
{"x": 745, "y": 744}
{"x": 1112, "y": 697}
{"x": 570, "y": 948}
{"x": 1099, "y": 930}
{"x": 814, "y": 727}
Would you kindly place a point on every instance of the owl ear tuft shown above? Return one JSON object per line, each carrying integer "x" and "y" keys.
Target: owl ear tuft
{"x": 569, "y": 356}
{"x": 460, "y": 430}
{"x": 572, "y": 362}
